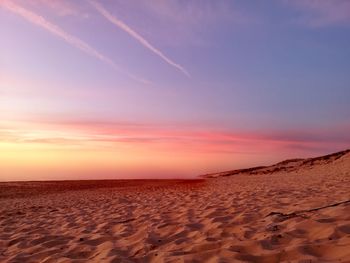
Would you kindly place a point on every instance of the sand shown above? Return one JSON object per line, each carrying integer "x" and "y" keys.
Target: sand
{"x": 299, "y": 215}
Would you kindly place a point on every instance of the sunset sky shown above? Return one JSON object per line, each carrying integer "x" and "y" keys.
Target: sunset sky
{"x": 162, "y": 89}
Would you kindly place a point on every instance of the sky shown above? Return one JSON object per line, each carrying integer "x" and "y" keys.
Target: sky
{"x": 169, "y": 89}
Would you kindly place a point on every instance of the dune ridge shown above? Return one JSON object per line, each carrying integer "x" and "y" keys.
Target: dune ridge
{"x": 286, "y": 166}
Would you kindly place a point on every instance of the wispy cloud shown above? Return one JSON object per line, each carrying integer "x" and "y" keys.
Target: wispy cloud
{"x": 108, "y": 135}
{"x": 59, "y": 32}
{"x": 137, "y": 36}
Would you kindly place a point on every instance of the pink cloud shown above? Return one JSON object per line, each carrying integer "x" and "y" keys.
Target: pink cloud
{"x": 173, "y": 138}
{"x": 126, "y": 149}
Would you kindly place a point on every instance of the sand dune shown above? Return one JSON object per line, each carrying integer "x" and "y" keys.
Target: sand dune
{"x": 295, "y": 211}
{"x": 292, "y": 165}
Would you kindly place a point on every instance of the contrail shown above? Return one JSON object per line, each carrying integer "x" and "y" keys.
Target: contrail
{"x": 136, "y": 35}
{"x": 57, "y": 31}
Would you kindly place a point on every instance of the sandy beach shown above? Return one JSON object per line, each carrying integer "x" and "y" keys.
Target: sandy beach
{"x": 295, "y": 214}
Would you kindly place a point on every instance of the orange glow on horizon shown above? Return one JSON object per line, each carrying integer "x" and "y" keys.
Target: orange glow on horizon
{"x": 33, "y": 151}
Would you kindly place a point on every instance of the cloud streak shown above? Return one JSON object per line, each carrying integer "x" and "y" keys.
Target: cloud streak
{"x": 59, "y": 32}
{"x": 108, "y": 135}
{"x": 136, "y": 36}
